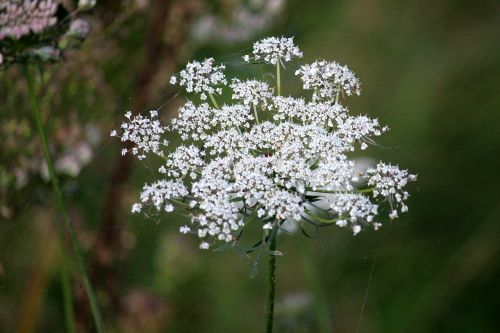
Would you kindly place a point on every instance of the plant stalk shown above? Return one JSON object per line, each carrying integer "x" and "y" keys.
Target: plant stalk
{"x": 69, "y": 313}
{"x": 256, "y": 114}
{"x": 212, "y": 98}
{"x": 278, "y": 77}
{"x": 62, "y": 208}
{"x": 271, "y": 281}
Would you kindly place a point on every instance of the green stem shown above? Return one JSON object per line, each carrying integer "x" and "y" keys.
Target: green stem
{"x": 337, "y": 96}
{"x": 322, "y": 220}
{"x": 62, "y": 208}
{"x": 255, "y": 114}
{"x": 271, "y": 281}
{"x": 216, "y": 105}
{"x": 69, "y": 316}
{"x": 278, "y": 77}
{"x": 365, "y": 190}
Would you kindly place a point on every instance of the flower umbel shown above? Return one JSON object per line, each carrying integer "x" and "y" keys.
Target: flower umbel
{"x": 30, "y": 30}
{"x": 272, "y": 50}
{"x": 328, "y": 79}
{"x": 292, "y": 165}
{"x": 201, "y": 78}
{"x": 144, "y": 133}
{"x": 20, "y": 18}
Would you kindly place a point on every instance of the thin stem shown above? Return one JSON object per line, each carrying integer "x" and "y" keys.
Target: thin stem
{"x": 365, "y": 190}
{"x": 63, "y": 269}
{"x": 255, "y": 114}
{"x": 62, "y": 208}
{"x": 322, "y": 220}
{"x": 337, "y": 96}
{"x": 271, "y": 281}
{"x": 216, "y": 105}
{"x": 278, "y": 77}
{"x": 69, "y": 316}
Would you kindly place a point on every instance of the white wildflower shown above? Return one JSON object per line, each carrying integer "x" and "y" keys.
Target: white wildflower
{"x": 136, "y": 208}
{"x": 328, "y": 79}
{"x": 184, "y": 229}
{"x": 354, "y": 210}
{"x": 202, "y": 78}
{"x": 144, "y": 133}
{"x": 161, "y": 194}
{"x": 388, "y": 182}
{"x": 283, "y": 167}
{"x": 185, "y": 161}
{"x": 252, "y": 92}
{"x": 288, "y": 108}
{"x": 233, "y": 116}
{"x": 360, "y": 129}
{"x": 273, "y": 49}
{"x": 193, "y": 121}
{"x": 267, "y": 226}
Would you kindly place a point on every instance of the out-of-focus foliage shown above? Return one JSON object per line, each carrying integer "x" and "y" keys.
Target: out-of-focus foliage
{"x": 429, "y": 69}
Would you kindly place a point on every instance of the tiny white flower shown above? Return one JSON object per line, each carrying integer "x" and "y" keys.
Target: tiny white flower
{"x": 136, "y": 208}
{"x": 341, "y": 223}
{"x": 267, "y": 226}
{"x": 356, "y": 229}
{"x": 185, "y": 229}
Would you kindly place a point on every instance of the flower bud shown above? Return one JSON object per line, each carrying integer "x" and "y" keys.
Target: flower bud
{"x": 79, "y": 28}
{"x": 46, "y": 53}
{"x": 86, "y": 4}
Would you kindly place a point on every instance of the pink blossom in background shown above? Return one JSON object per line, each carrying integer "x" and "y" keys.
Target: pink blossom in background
{"x": 20, "y": 18}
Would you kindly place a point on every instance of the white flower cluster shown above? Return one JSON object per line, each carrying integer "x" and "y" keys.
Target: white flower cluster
{"x": 144, "y": 133}
{"x": 235, "y": 168}
{"x": 355, "y": 209}
{"x": 388, "y": 182}
{"x": 160, "y": 193}
{"x": 272, "y": 50}
{"x": 252, "y": 92}
{"x": 184, "y": 161}
{"x": 202, "y": 78}
{"x": 328, "y": 79}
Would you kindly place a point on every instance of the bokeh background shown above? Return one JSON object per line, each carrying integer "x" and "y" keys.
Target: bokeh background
{"x": 429, "y": 69}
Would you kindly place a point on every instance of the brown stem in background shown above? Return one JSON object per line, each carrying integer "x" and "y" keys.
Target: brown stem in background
{"x": 44, "y": 259}
{"x": 174, "y": 16}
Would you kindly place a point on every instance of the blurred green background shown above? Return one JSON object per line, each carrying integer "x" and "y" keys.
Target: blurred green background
{"x": 429, "y": 69}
